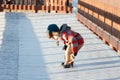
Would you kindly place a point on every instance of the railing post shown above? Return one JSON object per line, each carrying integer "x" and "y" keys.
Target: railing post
{"x": 68, "y": 6}
{"x": 1, "y": 6}
{"x": 35, "y": 4}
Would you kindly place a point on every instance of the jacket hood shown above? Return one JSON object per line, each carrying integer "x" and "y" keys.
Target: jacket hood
{"x": 64, "y": 27}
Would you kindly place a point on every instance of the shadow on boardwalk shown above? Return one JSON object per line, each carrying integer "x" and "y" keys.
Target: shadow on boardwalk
{"x": 9, "y": 50}
{"x": 20, "y": 50}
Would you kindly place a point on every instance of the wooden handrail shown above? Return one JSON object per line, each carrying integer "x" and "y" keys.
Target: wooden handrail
{"x": 106, "y": 19}
{"x": 38, "y": 5}
{"x": 103, "y": 19}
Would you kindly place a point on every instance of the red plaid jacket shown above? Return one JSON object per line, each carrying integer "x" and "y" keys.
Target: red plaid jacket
{"x": 73, "y": 38}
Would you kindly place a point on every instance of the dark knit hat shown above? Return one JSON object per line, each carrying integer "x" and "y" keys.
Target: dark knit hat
{"x": 52, "y": 28}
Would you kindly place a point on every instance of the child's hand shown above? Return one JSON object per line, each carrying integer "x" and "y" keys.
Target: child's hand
{"x": 64, "y": 47}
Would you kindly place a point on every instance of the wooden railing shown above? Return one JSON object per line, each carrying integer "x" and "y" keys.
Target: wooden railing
{"x": 58, "y": 6}
{"x": 103, "y": 19}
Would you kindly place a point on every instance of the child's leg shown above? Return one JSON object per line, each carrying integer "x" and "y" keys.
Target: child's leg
{"x": 72, "y": 56}
{"x": 69, "y": 55}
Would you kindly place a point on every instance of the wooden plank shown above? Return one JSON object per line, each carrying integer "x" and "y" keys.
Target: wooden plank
{"x": 28, "y": 7}
{"x": 24, "y": 7}
{"x": 115, "y": 29}
{"x": 119, "y": 47}
{"x": 19, "y": 7}
{"x": 11, "y": 7}
{"x": 114, "y": 42}
{"x": 64, "y": 5}
{"x": 47, "y": 6}
{"x": 59, "y": 5}
{"x": 51, "y": 5}
{"x": 33, "y": 7}
{"x": 15, "y": 7}
{"x": 106, "y": 37}
{"x": 108, "y": 25}
{"x": 99, "y": 32}
{"x": 93, "y": 27}
{"x": 43, "y": 8}
{"x": 6, "y": 6}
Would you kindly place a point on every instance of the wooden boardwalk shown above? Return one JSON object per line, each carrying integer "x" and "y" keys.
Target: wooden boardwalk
{"x": 27, "y": 54}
